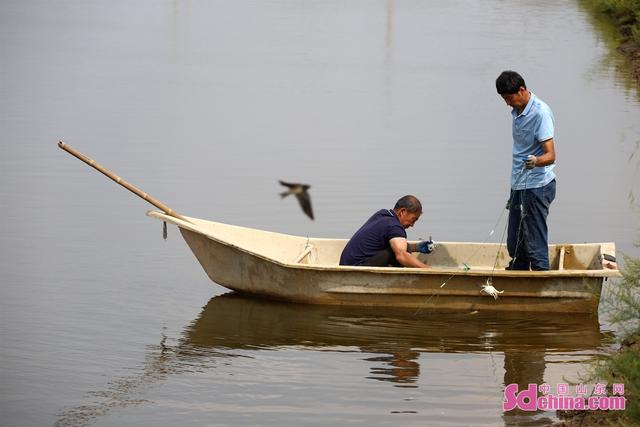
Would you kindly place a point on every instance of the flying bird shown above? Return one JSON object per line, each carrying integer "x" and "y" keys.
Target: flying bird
{"x": 300, "y": 191}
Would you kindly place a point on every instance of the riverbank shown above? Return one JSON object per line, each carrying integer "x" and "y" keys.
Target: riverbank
{"x": 624, "y": 304}
{"x": 620, "y": 367}
{"x": 624, "y": 15}
{"x": 623, "y": 366}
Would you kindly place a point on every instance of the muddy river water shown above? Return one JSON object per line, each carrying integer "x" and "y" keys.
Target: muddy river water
{"x": 205, "y": 105}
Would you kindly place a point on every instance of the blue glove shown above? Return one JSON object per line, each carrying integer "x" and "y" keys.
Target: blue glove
{"x": 425, "y": 246}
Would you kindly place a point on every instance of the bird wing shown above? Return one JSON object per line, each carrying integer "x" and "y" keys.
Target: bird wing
{"x": 305, "y": 203}
{"x": 287, "y": 184}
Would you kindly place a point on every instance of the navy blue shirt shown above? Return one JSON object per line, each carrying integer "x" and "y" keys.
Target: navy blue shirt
{"x": 372, "y": 237}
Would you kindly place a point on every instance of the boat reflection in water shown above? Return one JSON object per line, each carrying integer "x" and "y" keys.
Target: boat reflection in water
{"x": 394, "y": 339}
{"x": 233, "y": 321}
{"x": 233, "y": 328}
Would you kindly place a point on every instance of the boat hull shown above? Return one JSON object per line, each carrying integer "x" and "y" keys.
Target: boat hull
{"x": 250, "y": 273}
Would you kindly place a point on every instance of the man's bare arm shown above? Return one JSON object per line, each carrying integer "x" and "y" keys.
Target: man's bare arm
{"x": 399, "y": 246}
{"x": 549, "y": 156}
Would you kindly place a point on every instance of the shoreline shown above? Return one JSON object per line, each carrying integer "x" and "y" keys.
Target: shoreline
{"x": 629, "y": 348}
{"x": 631, "y": 50}
{"x": 623, "y": 17}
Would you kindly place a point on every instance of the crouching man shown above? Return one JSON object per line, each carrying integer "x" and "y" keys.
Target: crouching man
{"x": 382, "y": 240}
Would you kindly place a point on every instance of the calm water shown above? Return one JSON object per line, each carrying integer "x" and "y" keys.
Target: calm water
{"x": 205, "y": 105}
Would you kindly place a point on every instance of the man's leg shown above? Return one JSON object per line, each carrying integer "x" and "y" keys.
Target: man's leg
{"x": 537, "y": 210}
{"x": 384, "y": 258}
{"x": 516, "y": 243}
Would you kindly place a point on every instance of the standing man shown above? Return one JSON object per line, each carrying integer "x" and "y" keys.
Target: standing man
{"x": 533, "y": 183}
{"x": 382, "y": 240}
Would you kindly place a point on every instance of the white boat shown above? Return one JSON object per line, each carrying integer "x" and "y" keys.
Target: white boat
{"x": 305, "y": 270}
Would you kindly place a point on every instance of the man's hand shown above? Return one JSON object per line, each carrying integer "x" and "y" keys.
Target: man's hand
{"x": 530, "y": 163}
{"x": 425, "y": 246}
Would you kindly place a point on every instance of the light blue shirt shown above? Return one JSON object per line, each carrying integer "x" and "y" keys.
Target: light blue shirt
{"x": 530, "y": 128}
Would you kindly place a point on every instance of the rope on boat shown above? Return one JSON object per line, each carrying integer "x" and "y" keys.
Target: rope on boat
{"x": 164, "y": 230}
{"x": 307, "y": 250}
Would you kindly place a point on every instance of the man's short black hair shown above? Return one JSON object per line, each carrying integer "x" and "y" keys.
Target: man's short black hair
{"x": 509, "y": 82}
{"x": 410, "y": 203}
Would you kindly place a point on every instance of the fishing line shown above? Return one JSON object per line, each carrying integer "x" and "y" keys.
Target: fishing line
{"x": 465, "y": 265}
{"x": 521, "y": 232}
{"x": 495, "y": 262}
{"x": 524, "y": 173}
{"x": 489, "y": 282}
{"x": 473, "y": 254}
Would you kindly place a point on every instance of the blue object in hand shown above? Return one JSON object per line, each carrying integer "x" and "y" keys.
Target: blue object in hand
{"x": 425, "y": 246}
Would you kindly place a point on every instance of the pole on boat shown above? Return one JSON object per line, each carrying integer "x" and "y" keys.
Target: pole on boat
{"x": 155, "y": 202}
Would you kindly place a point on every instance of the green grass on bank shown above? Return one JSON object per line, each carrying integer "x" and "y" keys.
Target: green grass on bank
{"x": 622, "y": 305}
{"x": 625, "y": 14}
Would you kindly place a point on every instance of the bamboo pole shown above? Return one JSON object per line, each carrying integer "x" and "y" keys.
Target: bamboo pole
{"x": 155, "y": 202}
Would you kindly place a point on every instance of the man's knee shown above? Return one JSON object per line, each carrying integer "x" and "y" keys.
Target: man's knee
{"x": 383, "y": 258}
